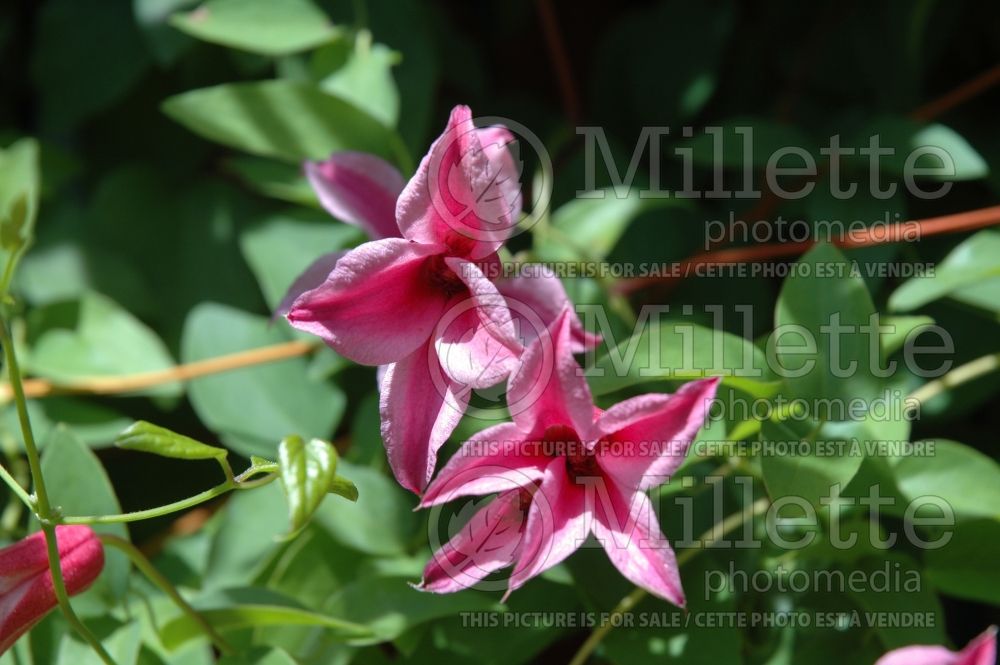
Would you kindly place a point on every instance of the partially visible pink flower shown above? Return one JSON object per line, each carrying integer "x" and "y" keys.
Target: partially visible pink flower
{"x": 586, "y": 471}
{"x": 980, "y": 651}
{"x": 359, "y": 189}
{"x": 26, "y": 591}
{"x": 424, "y": 304}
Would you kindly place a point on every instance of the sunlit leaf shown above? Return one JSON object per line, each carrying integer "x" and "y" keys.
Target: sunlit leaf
{"x": 259, "y": 26}
{"x": 149, "y": 438}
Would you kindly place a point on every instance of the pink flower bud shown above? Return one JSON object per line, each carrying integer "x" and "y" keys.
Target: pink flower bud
{"x": 26, "y": 590}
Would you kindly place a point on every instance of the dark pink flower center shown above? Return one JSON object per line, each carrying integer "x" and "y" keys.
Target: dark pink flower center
{"x": 580, "y": 462}
{"x": 441, "y": 277}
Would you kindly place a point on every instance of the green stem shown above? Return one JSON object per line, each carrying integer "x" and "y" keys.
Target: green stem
{"x": 160, "y": 511}
{"x": 59, "y": 585}
{"x": 16, "y": 488}
{"x": 21, "y": 477}
{"x": 8, "y": 270}
{"x": 148, "y": 569}
{"x": 43, "y": 509}
{"x": 714, "y": 534}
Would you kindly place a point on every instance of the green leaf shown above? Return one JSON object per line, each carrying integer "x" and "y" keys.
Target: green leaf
{"x": 969, "y": 164}
{"x": 681, "y": 350}
{"x": 966, "y": 566}
{"x": 259, "y": 656}
{"x": 69, "y": 268}
{"x": 974, "y": 264}
{"x": 13, "y": 227}
{"x": 366, "y": 80}
{"x": 282, "y": 246}
{"x": 899, "y": 328}
{"x": 149, "y": 438}
{"x": 966, "y": 479}
{"x": 19, "y": 187}
{"x": 262, "y": 465}
{"x": 181, "y": 629}
{"x": 383, "y": 523}
{"x": 104, "y": 340}
{"x": 817, "y": 340}
{"x": 79, "y": 485}
{"x": 308, "y": 469}
{"x": 314, "y": 568}
{"x": 344, "y": 488}
{"x": 90, "y": 421}
{"x": 591, "y": 227}
{"x": 252, "y": 408}
{"x": 290, "y": 120}
{"x": 259, "y": 26}
{"x": 246, "y": 536}
{"x": 904, "y": 136}
{"x": 755, "y": 142}
{"x": 122, "y": 642}
{"x": 818, "y": 458}
{"x": 274, "y": 179}
{"x": 389, "y": 606}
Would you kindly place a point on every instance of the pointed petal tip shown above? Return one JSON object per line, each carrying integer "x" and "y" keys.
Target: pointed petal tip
{"x": 459, "y": 113}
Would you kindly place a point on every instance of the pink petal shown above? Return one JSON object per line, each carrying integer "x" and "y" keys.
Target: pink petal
{"x": 455, "y": 198}
{"x": 477, "y": 340}
{"x": 495, "y": 460}
{"x": 491, "y": 540}
{"x": 313, "y": 276}
{"x": 647, "y": 437}
{"x": 377, "y": 306}
{"x": 548, "y": 388}
{"x": 919, "y": 655}
{"x": 980, "y": 651}
{"x": 497, "y": 142}
{"x": 630, "y": 534}
{"x": 558, "y": 524}
{"x": 535, "y": 297}
{"x": 359, "y": 189}
{"x": 420, "y": 408}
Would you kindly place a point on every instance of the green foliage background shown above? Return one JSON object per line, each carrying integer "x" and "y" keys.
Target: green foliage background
{"x": 172, "y": 216}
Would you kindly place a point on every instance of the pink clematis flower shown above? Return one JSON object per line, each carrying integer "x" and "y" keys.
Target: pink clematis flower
{"x": 980, "y": 651}
{"x": 26, "y": 592}
{"x": 577, "y": 470}
{"x": 425, "y": 304}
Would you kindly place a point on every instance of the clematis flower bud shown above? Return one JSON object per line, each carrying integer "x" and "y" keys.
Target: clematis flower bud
{"x": 26, "y": 590}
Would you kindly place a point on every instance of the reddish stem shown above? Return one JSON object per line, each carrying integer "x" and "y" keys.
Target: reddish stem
{"x": 899, "y": 232}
